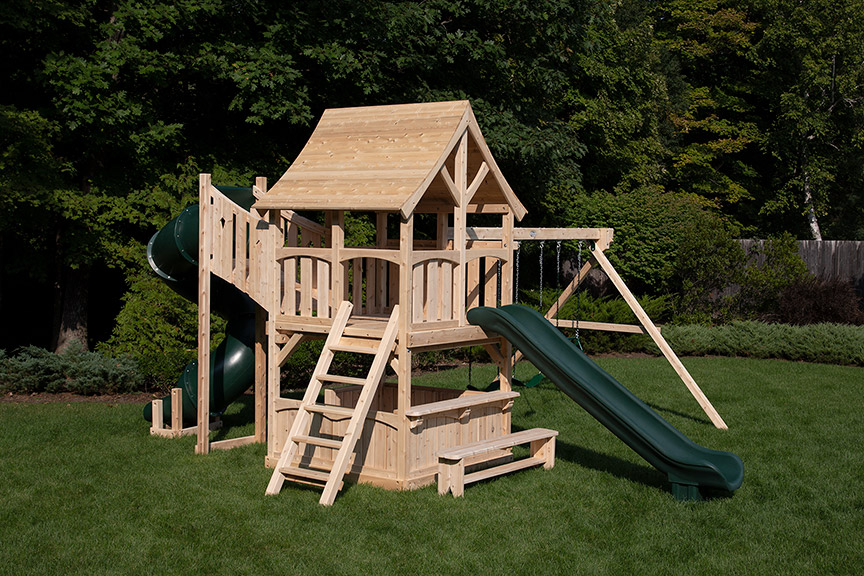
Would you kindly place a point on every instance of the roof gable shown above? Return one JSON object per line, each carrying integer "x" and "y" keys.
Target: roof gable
{"x": 389, "y": 158}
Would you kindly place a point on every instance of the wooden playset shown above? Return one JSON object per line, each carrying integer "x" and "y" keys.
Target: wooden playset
{"x": 428, "y": 180}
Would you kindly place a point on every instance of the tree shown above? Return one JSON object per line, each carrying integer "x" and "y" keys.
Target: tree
{"x": 109, "y": 101}
{"x": 714, "y": 113}
{"x": 811, "y": 75}
{"x": 618, "y": 100}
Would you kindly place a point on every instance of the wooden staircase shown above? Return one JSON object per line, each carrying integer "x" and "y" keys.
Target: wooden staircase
{"x": 301, "y": 429}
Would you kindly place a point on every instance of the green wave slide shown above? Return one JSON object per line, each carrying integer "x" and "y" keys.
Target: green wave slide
{"x": 173, "y": 255}
{"x": 692, "y": 470}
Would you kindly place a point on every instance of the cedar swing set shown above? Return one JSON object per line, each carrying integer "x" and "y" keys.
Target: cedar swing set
{"x": 425, "y": 175}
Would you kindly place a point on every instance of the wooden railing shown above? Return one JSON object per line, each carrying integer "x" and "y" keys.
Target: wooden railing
{"x": 238, "y": 239}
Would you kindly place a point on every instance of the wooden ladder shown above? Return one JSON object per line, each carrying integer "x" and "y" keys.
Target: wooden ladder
{"x": 301, "y": 429}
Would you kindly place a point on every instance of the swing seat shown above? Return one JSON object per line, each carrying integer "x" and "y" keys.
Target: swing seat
{"x": 535, "y": 380}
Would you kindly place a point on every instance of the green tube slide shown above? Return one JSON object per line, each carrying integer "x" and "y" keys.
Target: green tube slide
{"x": 173, "y": 255}
{"x": 692, "y": 469}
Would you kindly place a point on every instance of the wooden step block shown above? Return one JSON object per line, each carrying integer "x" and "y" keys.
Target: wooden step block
{"x": 318, "y": 441}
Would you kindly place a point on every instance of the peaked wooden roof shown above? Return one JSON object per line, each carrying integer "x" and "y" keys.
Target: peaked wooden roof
{"x": 390, "y": 158}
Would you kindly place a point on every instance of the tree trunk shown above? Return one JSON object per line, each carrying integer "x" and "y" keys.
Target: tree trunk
{"x": 73, "y": 314}
{"x": 810, "y": 210}
{"x": 812, "y": 220}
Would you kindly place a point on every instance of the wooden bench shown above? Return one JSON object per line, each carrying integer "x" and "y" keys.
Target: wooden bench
{"x": 451, "y": 462}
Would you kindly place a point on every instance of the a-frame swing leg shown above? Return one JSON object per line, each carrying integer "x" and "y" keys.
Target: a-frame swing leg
{"x": 652, "y": 331}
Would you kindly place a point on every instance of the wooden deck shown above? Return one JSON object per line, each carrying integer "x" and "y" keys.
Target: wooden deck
{"x": 422, "y": 337}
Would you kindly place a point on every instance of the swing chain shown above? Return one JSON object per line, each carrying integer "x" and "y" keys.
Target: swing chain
{"x": 578, "y": 291}
{"x": 558, "y": 282}
{"x": 542, "y": 242}
{"x": 516, "y": 283}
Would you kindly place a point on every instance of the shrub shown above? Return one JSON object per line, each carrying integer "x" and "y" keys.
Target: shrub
{"x": 649, "y": 228}
{"x": 34, "y": 369}
{"x": 808, "y": 300}
{"x": 772, "y": 267}
{"x": 829, "y": 343}
{"x": 709, "y": 262}
{"x": 159, "y": 329}
{"x": 612, "y": 309}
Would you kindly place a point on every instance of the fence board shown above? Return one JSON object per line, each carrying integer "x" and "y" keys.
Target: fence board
{"x": 827, "y": 259}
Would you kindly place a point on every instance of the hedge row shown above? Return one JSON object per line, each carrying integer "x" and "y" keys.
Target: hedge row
{"x": 32, "y": 369}
{"x": 825, "y": 343}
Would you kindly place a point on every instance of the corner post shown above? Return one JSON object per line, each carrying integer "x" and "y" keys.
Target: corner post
{"x": 406, "y": 277}
{"x": 204, "y": 251}
{"x": 260, "y": 333}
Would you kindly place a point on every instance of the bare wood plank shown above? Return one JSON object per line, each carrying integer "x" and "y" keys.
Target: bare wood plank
{"x": 306, "y": 286}
{"x": 477, "y": 181}
{"x": 323, "y": 299}
{"x": 425, "y": 255}
{"x": 460, "y": 403}
{"x": 378, "y": 253}
{"x": 434, "y": 291}
{"x": 473, "y": 283}
{"x": 448, "y": 290}
{"x": 289, "y": 290}
{"x": 232, "y": 443}
{"x": 176, "y": 409}
{"x": 357, "y": 286}
{"x": 507, "y": 244}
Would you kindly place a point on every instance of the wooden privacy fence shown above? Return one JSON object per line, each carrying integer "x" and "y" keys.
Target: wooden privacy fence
{"x": 828, "y": 259}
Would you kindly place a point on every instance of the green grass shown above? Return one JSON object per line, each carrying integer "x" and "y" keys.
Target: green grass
{"x": 85, "y": 490}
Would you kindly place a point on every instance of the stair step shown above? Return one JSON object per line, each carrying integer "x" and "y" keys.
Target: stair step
{"x": 337, "y": 379}
{"x": 354, "y": 349}
{"x": 330, "y": 410}
{"x": 308, "y": 473}
{"x": 318, "y": 441}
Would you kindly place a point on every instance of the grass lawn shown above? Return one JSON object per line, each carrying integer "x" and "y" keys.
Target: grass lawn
{"x": 85, "y": 490}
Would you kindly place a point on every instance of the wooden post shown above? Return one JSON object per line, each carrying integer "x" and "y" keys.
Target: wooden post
{"x": 271, "y": 276}
{"x": 507, "y": 244}
{"x": 652, "y": 330}
{"x": 460, "y": 223}
{"x": 381, "y": 265}
{"x": 403, "y": 402}
{"x": 337, "y": 269}
{"x": 177, "y": 410}
{"x": 260, "y": 330}
{"x": 204, "y": 251}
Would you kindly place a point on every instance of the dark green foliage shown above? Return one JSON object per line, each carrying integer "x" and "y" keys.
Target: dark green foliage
{"x": 773, "y": 266}
{"x": 159, "y": 329}
{"x": 828, "y": 343}
{"x": 611, "y": 309}
{"x": 650, "y": 226}
{"x": 600, "y": 114}
{"x": 709, "y": 262}
{"x": 32, "y": 369}
{"x": 808, "y": 300}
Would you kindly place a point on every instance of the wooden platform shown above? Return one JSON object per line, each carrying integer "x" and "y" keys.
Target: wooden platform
{"x": 422, "y": 337}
